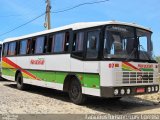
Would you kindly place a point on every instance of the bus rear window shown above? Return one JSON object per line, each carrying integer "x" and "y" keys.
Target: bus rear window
{"x": 5, "y": 50}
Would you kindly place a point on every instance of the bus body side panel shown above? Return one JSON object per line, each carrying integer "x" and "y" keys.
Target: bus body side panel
{"x": 60, "y": 65}
{"x": 50, "y": 71}
{"x": 91, "y": 78}
{"x": 9, "y": 68}
{"x": 46, "y": 71}
{"x": 77, "y": 65}
{"x": 88, "y": 74}
{"x": 23, "y": 62}
{"x": 59, "y": 62}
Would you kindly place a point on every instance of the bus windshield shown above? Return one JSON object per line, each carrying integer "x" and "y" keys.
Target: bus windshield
{"x": 127, "y": 42}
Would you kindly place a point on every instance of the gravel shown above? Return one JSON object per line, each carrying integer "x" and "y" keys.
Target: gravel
{"x": 37, "y": 100}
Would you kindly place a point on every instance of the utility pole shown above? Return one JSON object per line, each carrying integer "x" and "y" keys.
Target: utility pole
{"x": 47, "y": 23}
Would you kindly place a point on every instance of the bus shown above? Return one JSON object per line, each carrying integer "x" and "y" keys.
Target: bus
{"x": 109, "y": 59}
{"x": 0, "y": 50}
{"x": 0, "y": 56}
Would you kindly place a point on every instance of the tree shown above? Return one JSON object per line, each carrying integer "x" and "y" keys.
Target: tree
{"x": 157, "y": 58}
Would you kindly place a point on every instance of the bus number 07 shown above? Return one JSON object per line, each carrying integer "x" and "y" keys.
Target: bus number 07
{"x": 111, "y": 65}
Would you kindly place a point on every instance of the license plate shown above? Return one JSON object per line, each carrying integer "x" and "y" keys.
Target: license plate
{"x": 140, "y": 90}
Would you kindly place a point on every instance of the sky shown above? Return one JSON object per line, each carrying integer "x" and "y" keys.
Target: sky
{"x": 17, "y": 12}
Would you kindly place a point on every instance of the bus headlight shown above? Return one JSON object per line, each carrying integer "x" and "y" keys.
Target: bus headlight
{"x": 156, "y": 88}
{"x": 152, "y": 89}
{"x": 116, "y": 91}
{"x": 128, "y": 91}
{"x": 149, "y": 89}
{"x": 122, "y": 91}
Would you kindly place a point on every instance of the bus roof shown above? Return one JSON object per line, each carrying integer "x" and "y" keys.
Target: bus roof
{"x": 76, "y": 26}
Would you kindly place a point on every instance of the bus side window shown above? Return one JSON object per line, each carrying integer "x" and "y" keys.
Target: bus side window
{"x": 77, "y": 46}
{"x": 60, "y": 42}
{"x": 12, "y": 48}
{"x": 92, "y": 44}
{"x": 39, "y": 45}
{"x": 23, "y": 47}
{"x": 5, "y": 49}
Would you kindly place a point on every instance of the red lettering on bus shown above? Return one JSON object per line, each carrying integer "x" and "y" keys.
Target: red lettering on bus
{"x": 37, "y": 62}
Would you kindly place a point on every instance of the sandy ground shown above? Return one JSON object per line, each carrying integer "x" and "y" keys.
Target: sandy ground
{"x": 37, "y": 100}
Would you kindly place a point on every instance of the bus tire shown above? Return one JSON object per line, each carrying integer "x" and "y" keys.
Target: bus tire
{"x": 19, "y": 81}
{"x": 75, "y": 92}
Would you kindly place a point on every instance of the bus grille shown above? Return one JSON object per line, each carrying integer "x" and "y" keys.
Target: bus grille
{"x": 137, "y": 77}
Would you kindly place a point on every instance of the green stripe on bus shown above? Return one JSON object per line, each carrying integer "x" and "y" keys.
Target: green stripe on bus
{"x": 87, "y": 79}
{"x": 147, "y": 69}
{"x": 91, "y": 80}
{"x": 8, "y": 72}
{"x": 57, "y": 77}
{"x": 142, "y": 69}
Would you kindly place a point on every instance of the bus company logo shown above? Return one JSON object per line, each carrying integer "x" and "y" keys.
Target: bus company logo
{"x": 145, "y": 66}
{"x": 140, "y": 77}
{"x": 39, "y": 61}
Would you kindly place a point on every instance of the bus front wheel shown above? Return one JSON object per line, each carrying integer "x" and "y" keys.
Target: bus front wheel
{"x": 75, "y": 92}
{"x": 19, "y": 80}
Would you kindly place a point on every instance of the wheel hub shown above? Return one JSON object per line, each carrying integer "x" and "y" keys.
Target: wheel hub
{"x": 75, "y": 91}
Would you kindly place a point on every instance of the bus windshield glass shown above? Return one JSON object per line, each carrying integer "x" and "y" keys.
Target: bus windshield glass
{"x": 127, "y": 42}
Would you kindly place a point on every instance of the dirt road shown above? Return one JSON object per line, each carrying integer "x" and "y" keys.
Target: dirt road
{"x": 37, "y": 100}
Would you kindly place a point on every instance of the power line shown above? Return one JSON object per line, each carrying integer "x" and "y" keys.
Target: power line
{"x": 60, "y": 11}
{"x": 22, "y": 25}
{"x": 79, "y": 5}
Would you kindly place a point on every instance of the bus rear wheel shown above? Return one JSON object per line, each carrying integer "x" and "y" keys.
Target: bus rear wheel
{"x": 75, "y": 92}
{"x": 19, "y": 80}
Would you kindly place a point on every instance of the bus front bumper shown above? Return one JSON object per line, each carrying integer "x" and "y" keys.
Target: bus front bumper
{"x": 121, "y": 91}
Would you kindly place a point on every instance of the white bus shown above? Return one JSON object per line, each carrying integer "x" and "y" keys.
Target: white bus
{"x": 0, "y": 49}
{"x": 0, "y": 56}
{"x": 106, "y": 59}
